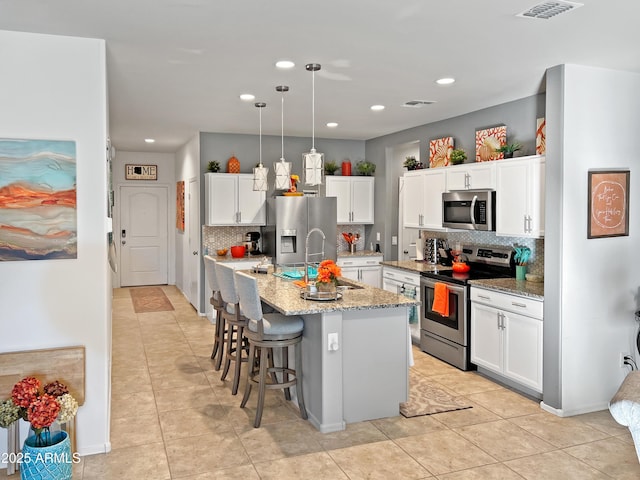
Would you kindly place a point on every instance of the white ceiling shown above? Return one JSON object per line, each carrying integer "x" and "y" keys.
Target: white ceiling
{"x": 176, "y": 67}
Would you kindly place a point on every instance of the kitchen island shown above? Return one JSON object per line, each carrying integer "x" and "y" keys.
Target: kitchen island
{"x": 355, "y": 354}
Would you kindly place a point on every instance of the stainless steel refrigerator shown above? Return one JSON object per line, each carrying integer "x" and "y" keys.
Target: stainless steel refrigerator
{"x": 289, "y": 220}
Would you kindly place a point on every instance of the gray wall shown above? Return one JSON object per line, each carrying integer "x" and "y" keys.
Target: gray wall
{"x": 519, "y": 116}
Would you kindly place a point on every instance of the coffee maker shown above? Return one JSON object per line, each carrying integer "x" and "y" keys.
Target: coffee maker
{"x": 252, "y": 243}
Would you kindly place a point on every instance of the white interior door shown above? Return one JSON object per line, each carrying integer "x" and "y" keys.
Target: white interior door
{"x": 193, "y": 254}
{"x": 143, "y": 235}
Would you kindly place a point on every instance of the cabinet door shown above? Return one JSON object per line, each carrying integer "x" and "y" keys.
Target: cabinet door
{"x": 471, "y": 177}
{"x": 523, "y": 350}
{"x": 362, "y": 198}
{"x": 221, "y": 204}
{"x": 536, "y": 198}
{"x": 350, "y": 272}
{"x": 512, "y": 191}
{"x": 341, "y": 189}
{"x": 413, "y": 200}
{"x": 457, "y": 178}
{"x": 486, "y": 337}
{"x": 251, "y": 204}
{"x": 371, "y": 276}
{"x": 434, "y": 186}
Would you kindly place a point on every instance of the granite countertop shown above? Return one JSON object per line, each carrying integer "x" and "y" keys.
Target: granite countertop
{"x": 414, "y": 266}
{"x": 229, "y": 258}
{"x": 284, "y": 296}
{"x": 512, "y": 286}
{"x": 358, "y": 253}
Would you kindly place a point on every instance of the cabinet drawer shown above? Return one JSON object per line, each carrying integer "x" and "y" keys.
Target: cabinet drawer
{"x": 360, "y": 262}
{"x": 400, "y": 276}
{"x": 504, "y": 301}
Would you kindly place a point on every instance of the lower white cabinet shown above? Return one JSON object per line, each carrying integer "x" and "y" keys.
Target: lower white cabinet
{"x": 364, "y": 269}
{"x": 506, "y": 336}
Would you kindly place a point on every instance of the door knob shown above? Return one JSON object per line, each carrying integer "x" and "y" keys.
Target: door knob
{"x": 124, "y": 242}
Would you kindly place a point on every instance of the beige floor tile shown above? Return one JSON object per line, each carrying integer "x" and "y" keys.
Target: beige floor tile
{"x": 505, "y": 403}
{"x": 133, "y": 404}
{"x": 244, "y": 472}
{"x": 444, "y": 451}
{"x": 355, "y": 434}
{"x": 181, "y": 364}
{"x": 315, "y": 466}
{"x": 204, "y": 419}
{"x": 602, "y": 421}
{"x": 128, "y": 368}
{"x": 279, "y": 440}
{"x": 132, "y": 431}
{"x": 504, "y": 440}
{"x": 144, "y": 462}
{"x": 470, "y": 416}
{"x": 136, "y": 382}
{"x": 611, "y": 456}
{"x": 561, "y": 432}
{"x": 497, "y": 471}
{"x": 173, "y": 378}
{"x": 204, "y": 453}
{"x": 157, "y": 318}
{"x": 194, "y": 396}
{"x": 176, "y": 346}
{"x": 429, "y": 366}
{"x": 381, "y": 460}
{"x": 556, "y": 464}
{"x": 465, "y": 383}
{"x": 398, "y": 427}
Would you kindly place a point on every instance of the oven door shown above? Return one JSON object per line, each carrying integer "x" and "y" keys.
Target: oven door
{"x": 453, "y": 327}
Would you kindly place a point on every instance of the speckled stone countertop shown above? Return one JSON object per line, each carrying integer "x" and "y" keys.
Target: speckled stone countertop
{"x": 284, "y": 296}
{"x": 358, "y": 253}
{"x": 413, "y": 266}
{"x": 229, "y": 258}
{"x": 512, "y": 286}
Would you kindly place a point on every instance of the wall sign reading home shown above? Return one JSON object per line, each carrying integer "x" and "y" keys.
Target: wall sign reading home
{"x": 141, "y": 172}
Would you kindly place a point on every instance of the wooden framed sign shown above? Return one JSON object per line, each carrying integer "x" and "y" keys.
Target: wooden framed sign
{"x": 608, "y": 203}
{"x": 140, "y": 172}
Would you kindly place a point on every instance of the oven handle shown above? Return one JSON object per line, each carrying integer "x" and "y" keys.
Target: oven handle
{"x": 472, "y": 212}
{"x": 453, "y": 287}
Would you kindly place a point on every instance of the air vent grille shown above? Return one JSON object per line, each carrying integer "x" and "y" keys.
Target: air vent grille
{"x": 418, "y": 103}
{"x": 546, "y": 10}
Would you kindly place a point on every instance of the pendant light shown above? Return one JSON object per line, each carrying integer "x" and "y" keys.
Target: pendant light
{"x": 313, "y": 162}
{"x": 260, "y": 172}
{"x": 282, "y": 168}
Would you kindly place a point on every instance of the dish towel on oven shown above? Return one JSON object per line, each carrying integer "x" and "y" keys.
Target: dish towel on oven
{"x": 441, "y": 299}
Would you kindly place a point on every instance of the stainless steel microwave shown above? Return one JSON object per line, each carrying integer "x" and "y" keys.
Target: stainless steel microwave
{"x": 469, "y": 210}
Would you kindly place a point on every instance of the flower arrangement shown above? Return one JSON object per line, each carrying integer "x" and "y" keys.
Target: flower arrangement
{"x": 294, "y": 180}
{"x": 328, "y": 273}
{"x": 38, "y": 407}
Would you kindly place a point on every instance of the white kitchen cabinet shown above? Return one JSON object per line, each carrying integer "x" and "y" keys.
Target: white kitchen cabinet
{"x": 422, "y": 197}
{"x": 231, "y": 200}
{"x": 363, "y": 269}
{"x": 506, "y": 336}
{"x": 520, "y": 186}
{"x": 355, "y": 198}
{"x": 472, "y": 176}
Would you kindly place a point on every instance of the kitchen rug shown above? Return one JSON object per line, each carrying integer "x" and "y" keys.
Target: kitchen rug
{"x": 427, "y": 399}
{"x": 150, "y": 299}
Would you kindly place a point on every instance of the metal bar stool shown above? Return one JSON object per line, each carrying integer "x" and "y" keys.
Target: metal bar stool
{"x": 218, "y": 305}
{"x": 267, "y": 332}
{"x": 236, "y": 322}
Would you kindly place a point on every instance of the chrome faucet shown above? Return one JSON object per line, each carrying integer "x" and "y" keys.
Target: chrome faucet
{"x": 307, "y": 254}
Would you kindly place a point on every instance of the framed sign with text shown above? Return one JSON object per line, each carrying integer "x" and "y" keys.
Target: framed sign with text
{"x": 140, "y": 172}
{"x": 608, "y": 203}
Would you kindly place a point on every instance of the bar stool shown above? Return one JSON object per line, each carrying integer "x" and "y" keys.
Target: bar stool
{"x": 267, "y": 332}
{"x": 218, "y": 305}
{"x": 235, "y": 322}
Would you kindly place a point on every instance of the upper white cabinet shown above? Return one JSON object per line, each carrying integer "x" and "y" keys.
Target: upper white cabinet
{"x": 422, "y": 196}
{"x": 520, "y": 197}
{"x": 355, "y": 197}
{"x": 231, "y": 200}
{"x": 472, "y": 176}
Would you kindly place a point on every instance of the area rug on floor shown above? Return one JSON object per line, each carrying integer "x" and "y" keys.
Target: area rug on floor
{"x": 427, "y": 399}
{"x": 150, "y": 299}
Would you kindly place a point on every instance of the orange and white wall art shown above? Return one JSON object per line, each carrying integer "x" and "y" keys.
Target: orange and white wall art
{"x": 440, "y": 152}
{"x": 487, "y": 140}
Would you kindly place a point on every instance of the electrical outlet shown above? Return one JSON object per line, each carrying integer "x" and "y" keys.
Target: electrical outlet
{"x": 394, "y": 240}
{"x": 622, "y": 355}
{"x": 332, "y": 342}
{"x": 377, "y": 236}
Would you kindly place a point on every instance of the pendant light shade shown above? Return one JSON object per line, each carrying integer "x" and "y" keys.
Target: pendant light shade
{"x": 313, "y": 162}
{"x": 282, "y": 168}
{"x": 260, "y": 172}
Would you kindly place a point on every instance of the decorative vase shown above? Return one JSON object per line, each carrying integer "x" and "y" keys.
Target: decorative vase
{"x": 346, "y": 169}
{"x": 326, "y": 287}
{"x": 53, "y": 462}
{"x": 233, "y": 165}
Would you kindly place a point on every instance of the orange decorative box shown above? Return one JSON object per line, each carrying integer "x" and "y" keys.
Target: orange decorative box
{"x": 233, "y": 165}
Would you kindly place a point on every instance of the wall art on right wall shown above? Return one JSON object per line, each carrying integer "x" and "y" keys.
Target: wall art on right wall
{"x": 541, "y": 127}
{"x": 608, "y": 203}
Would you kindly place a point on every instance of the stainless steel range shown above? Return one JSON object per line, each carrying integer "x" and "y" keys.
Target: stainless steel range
{"x": 448, "y": 337}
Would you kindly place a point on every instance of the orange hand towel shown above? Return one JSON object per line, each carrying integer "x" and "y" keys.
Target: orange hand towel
{"x": 441, "y": 299}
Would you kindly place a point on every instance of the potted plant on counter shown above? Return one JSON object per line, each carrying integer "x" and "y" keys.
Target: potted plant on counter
{"x": 330, "y": 167}
{"x": 213, "y": 166}
{"x": 509, "y": 149}
{"x": 410, "y": 162}
{"x": 365, "y": 168}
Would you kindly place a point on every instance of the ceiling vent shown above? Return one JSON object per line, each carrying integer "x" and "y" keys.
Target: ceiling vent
{"x": 417, "y": 103}
{"x": 546, "y": 10}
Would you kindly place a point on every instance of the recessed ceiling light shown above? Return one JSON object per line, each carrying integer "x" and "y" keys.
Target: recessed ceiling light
{"x": 445, "y": 81}
{"x": 377, "y": 108}
{"x": 285, "y": 64}
{"x": 332, "y": 124}
{"x": 149, "y": 140}
{"x": 247, "y": 97}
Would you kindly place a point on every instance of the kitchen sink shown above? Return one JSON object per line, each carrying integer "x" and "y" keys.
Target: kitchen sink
{"x": 347, "y": 285}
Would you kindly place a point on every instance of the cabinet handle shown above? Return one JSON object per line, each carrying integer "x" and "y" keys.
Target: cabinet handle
{"x": 467, "y": 180}
{"x": 484, "y": 297}
{"x": 529, "y": 219}
{"x": 498, "y": 319}
{"x": 525, "y": 224}
{"x": 516, "y": 304}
